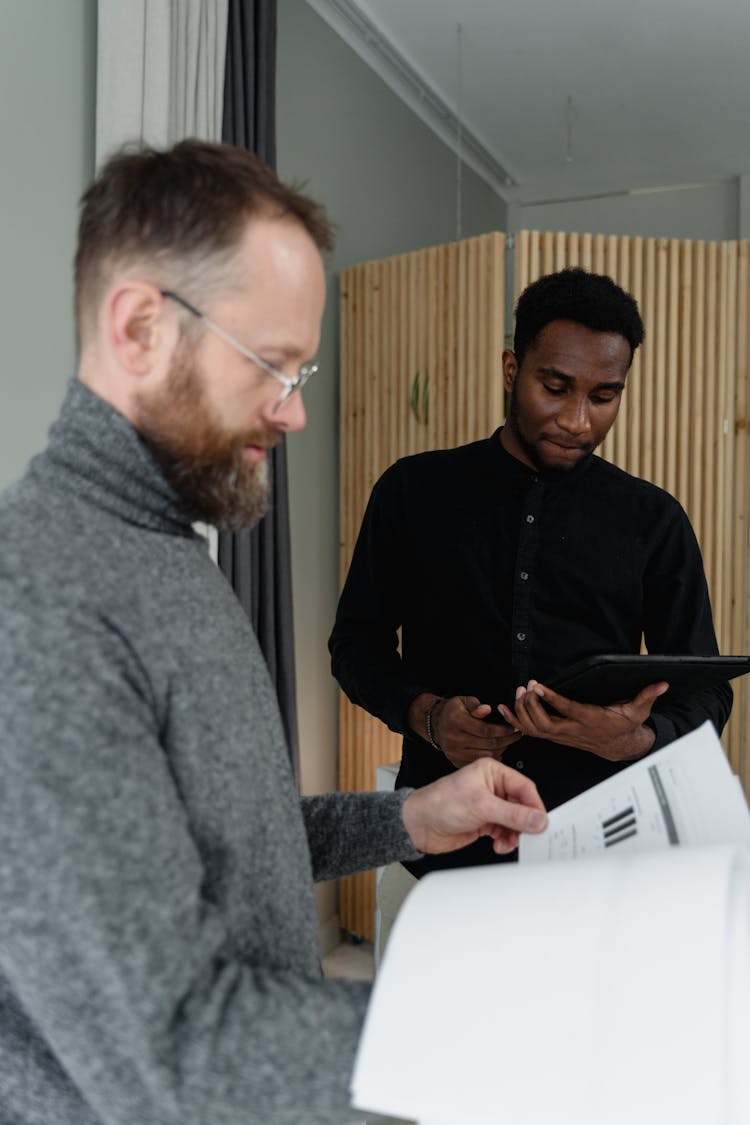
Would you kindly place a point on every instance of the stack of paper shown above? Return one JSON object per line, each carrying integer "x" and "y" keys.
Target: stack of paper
{"x": 604, "y": 992}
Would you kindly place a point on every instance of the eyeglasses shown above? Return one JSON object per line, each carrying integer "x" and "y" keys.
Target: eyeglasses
{"x": 288, "y": 385}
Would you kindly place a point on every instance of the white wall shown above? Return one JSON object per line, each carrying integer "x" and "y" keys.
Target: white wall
{"x": 47, "y": 64}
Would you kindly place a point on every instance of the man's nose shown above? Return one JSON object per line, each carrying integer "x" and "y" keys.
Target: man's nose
{"x": 574, "y": 415}
{"x": 290, "y": 414}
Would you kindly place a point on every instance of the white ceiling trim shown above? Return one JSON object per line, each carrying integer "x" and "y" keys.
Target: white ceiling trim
{"x": 369, "y": 42}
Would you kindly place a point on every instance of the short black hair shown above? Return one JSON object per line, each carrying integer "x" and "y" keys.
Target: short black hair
{"x": 591, "y": 299}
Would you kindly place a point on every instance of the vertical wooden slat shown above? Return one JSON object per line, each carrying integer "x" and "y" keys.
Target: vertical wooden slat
{"x": 445, "y": 361}
{"x": 482, "y": 319}
{"x": 416, "y": 374}
{"x": 729, "y": 440}
{"x": 562, "y": 258}
{"x": 727, "y": 375}
{"x": 710, "y": 437}
{"x": 460, "y": 418}
{"x": 548, "y": 253}
{"x": 699, "y": 332}
{"x": 431, "y": 415}
{"x": 406, "y": 376}
{"x": 469, "y": 313}
{"x": 648, "y": 359}
{"x": 613, "y": 266}
{"x": 586, "y": 251}
{"x": 521, "y": 260}
{"x": 446, "y": 301}
{"x": 496, "y": 328}
{"x": 658, "y": 401}
{"x": 574, "y": 251}
{"x": 634, "y": 393}
{"x": 535, "y": 252}
{"x": 687, "y": 373}
{"x": 460, "y": 317}
{"x": 598, "y": 248}
{"x": 399, "y": 376}
{"x": 669, "y": 432}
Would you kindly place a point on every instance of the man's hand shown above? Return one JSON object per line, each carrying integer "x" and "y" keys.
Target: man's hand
{"x": 485, "y": 798}
{"x": 615, "y": 732}
{"x": 458, "y": 729}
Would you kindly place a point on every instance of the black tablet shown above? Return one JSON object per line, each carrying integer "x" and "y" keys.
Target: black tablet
{"x": 615, "y": 677}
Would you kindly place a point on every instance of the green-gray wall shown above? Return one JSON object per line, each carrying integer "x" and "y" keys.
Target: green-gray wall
{"x": 48, "y": 68}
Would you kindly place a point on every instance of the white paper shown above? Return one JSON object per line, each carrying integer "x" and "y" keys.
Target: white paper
{"x": 603, "y": 991}
{"x": 608, "y": 991}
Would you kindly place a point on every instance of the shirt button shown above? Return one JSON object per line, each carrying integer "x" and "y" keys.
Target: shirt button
{"x": 519, "y": 765}
{"x": 535, "y": 479}
{"x": 529, "y": 519}
{"x": 521, "y": 636}
{"x": 524, "y": 575}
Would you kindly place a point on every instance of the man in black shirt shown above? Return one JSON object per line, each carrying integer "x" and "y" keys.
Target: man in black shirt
{"x": 507, "y": 560}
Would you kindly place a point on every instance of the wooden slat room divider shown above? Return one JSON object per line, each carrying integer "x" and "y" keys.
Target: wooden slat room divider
{"x": 421, "y": 340}
{"x": 421, "y": 345}
{"x": 683, "y": 423}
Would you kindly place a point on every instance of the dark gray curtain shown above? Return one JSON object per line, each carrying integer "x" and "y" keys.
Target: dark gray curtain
{"x": 258, "y": 562}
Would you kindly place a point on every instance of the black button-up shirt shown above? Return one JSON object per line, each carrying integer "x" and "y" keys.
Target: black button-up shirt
{"x": 496, "y": 573}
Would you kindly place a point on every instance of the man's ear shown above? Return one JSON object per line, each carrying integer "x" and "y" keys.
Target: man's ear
{"x": 139, "y": 335}
{"x": 510, "y": 369}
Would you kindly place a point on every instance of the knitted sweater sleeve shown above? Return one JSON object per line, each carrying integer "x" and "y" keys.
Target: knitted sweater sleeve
{"x": 121, "y": 989}
{"x": 350, "y": 832}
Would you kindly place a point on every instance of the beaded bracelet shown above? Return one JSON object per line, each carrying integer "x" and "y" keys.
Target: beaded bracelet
{"x": 428, "y": 725}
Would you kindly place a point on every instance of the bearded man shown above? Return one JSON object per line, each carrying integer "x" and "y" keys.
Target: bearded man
{"x": 159, "y": 960}
{"x": 506, "y": 561}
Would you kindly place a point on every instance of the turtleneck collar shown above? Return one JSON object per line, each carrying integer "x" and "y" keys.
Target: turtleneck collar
{"x": 94, "y": 451}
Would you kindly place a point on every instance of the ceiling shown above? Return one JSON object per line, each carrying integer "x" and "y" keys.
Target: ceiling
{"x": 559, "y": 99}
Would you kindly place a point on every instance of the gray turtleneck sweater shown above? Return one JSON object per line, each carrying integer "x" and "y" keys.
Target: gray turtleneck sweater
{"x": 158, "y": 941}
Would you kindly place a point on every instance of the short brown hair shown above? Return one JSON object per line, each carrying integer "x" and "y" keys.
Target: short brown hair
{"x": 179, "y": 211}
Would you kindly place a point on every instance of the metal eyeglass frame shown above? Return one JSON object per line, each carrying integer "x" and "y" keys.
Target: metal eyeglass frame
{"x": 288, "y": 385}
